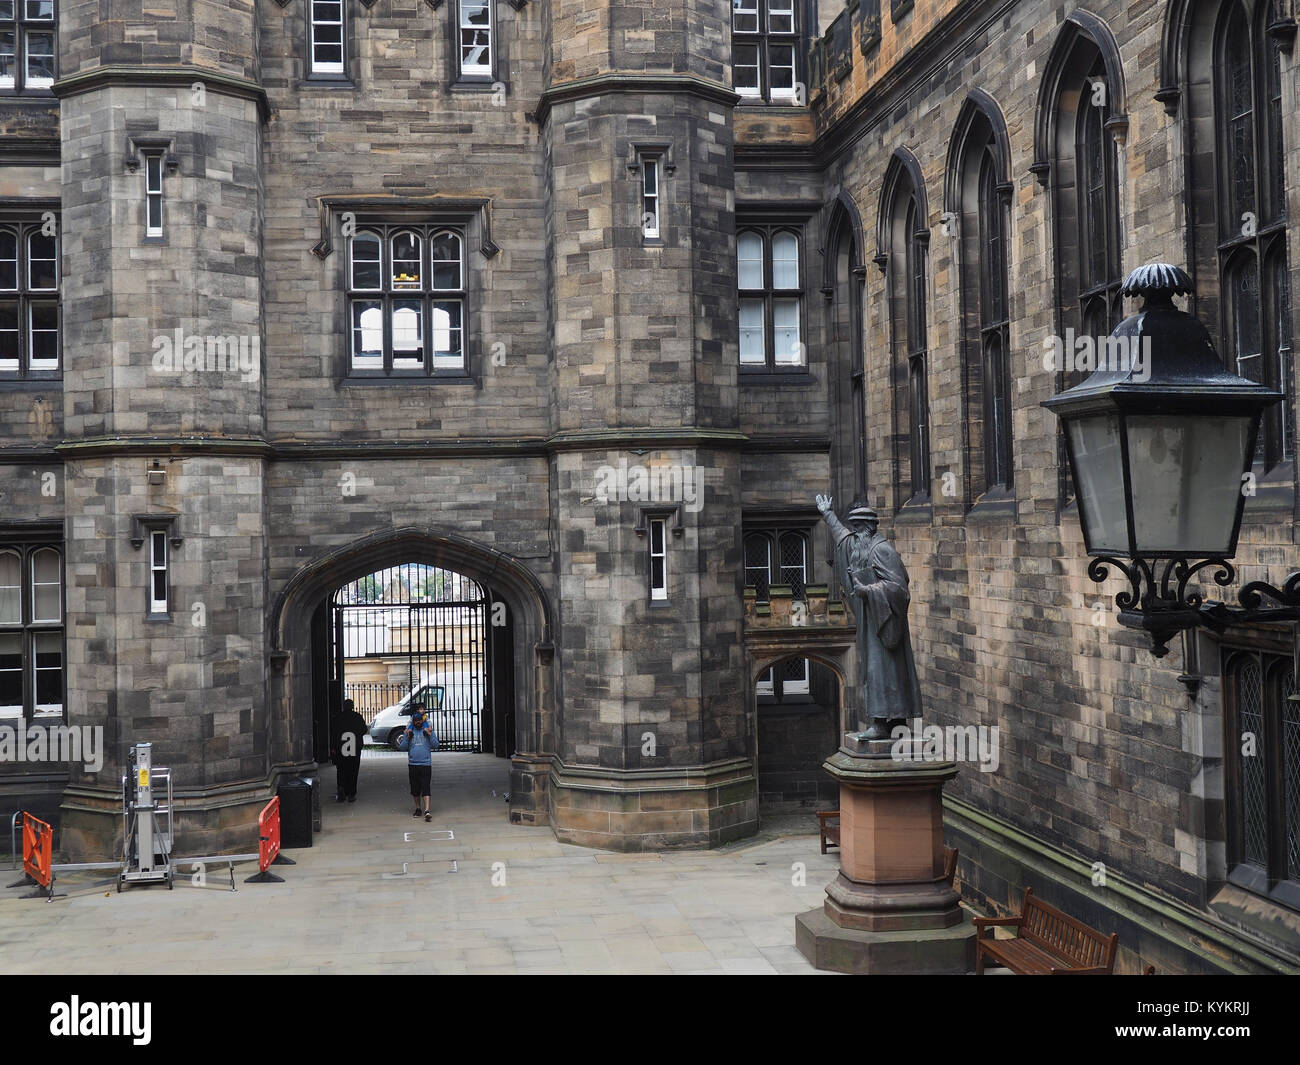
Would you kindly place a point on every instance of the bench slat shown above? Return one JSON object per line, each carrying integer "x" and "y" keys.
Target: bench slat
{"x": 1051, "y": 940}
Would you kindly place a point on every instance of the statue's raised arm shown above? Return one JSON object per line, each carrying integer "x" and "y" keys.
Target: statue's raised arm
{"x": 827, "y": 506}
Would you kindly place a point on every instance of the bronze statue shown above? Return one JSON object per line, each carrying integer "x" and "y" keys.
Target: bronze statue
{"x": 873, "y": 576}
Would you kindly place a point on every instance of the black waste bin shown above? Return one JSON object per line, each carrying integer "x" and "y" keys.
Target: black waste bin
{"x": 295, "y": 813}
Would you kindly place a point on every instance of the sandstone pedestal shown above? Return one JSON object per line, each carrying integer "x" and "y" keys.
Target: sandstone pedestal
{"x": 890, "y": 909}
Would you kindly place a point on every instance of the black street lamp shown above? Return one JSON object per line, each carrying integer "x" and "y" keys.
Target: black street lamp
{"x": 1160, "y": 442}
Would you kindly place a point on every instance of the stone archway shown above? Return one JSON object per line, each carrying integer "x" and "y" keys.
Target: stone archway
{"x": 801, "y": 738}
{"x": 290, "y": 691}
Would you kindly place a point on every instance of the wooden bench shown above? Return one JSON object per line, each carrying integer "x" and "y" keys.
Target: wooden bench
{"x": 830, "y": 833}
{"x": 1047, "y": 942}
{"x": 830, "y": 836}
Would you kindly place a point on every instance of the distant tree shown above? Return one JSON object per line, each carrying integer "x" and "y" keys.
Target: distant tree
{"x": 433, "y": 583}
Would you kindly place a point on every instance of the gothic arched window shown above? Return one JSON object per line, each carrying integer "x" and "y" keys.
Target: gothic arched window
{"x": 979, "y": 195}
{"x": 905, "y": 243}
{"x": 1081, "y": 113}
{"x": 1251, "y": 217}
{"x": 1100, "y": 273}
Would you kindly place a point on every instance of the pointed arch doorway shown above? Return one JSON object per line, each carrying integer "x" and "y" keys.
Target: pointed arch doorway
{"x": 517, "y": 718}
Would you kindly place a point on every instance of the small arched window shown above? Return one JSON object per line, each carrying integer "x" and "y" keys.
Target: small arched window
{"x": 8, "y": 260}
{"x": 42, "y": 261}
{"x": 447, "y": 262}
{"x": 47, "y": 586}
{"x": 408, "y": 260}
{"x": 367, "y": 268}
{"x": 11, "y": 588}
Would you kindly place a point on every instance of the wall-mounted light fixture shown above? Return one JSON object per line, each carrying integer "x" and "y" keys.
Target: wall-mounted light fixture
{"x": 1160, "y": 450}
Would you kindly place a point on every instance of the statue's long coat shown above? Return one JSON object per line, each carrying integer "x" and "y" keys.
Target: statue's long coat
{"x": 889, "y": 686}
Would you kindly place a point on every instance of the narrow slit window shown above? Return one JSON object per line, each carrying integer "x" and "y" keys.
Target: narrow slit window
{"x": 158, "y": 574}
{"x": 650, "y": 197}
{"x": 327, "y": 37}
{"x": 476, "y": 38}
{"x": 153, "y": 193}
{"x": 658, "y": 559}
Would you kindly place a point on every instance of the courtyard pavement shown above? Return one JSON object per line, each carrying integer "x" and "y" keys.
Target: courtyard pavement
{"x": 382, "y": 892}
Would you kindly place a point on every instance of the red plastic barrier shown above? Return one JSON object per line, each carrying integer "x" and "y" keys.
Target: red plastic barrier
{"x": 38, "y": 850}
{"x": 268, "y": 834}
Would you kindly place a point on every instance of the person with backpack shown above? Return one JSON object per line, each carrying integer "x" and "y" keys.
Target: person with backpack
{"x": 419, "y": 743}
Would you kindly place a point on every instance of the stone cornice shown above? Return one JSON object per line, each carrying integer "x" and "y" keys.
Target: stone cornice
{"x": 607, "y": 84}
{"x": 484, "y": 447}
{"x": 644, "y": 437}
{"x": 299, "y": 451}
{"x": 22, "y": 456}
{"x": 757, "y": 445}
{"x": 750, "y": 155}
{"x": 30, "y": 151}
{"x": 177, "y": 77}
{"x": 112, "y": 446}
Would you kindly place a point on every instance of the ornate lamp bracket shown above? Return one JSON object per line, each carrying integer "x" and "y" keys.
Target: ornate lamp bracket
{"x": 1158, "y": 603}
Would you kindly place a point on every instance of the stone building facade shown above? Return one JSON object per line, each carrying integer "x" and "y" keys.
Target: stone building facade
{"x": 474, "y": 255}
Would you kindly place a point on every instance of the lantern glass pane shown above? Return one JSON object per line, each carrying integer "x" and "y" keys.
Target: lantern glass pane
{"x": 1099, "y": 477}
{"x": 1187, "y": 481}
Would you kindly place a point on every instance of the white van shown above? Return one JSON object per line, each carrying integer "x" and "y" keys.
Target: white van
{"x": 452, "y": 692}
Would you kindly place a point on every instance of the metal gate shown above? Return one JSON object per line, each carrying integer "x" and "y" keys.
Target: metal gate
{"x": 415, "y": 633}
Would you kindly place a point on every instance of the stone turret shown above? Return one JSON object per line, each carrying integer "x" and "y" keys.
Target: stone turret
{"x": 646, "y": 424}
{"x": 161, "y": 125}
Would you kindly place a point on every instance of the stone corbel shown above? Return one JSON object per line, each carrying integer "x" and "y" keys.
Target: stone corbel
{"x": 1282, "y": 25}
{"x": 137, "y": 147}
{"x": 328, "y": 206}
{"x": 1117, "y": 126}
{"x": 662, "y": 149}
{"x": 662, "y": 511}
{"x": 143, "y": 524}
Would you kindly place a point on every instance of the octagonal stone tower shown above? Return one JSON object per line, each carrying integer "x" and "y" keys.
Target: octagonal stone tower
{"x": 161, "y": 125}
{"x": 637, "y": 137}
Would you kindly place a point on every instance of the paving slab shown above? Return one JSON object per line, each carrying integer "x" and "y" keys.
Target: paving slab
{"x": 518, "y": 900}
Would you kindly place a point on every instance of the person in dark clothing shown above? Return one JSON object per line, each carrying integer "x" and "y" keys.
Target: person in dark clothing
{"x": 349, "y": 734}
